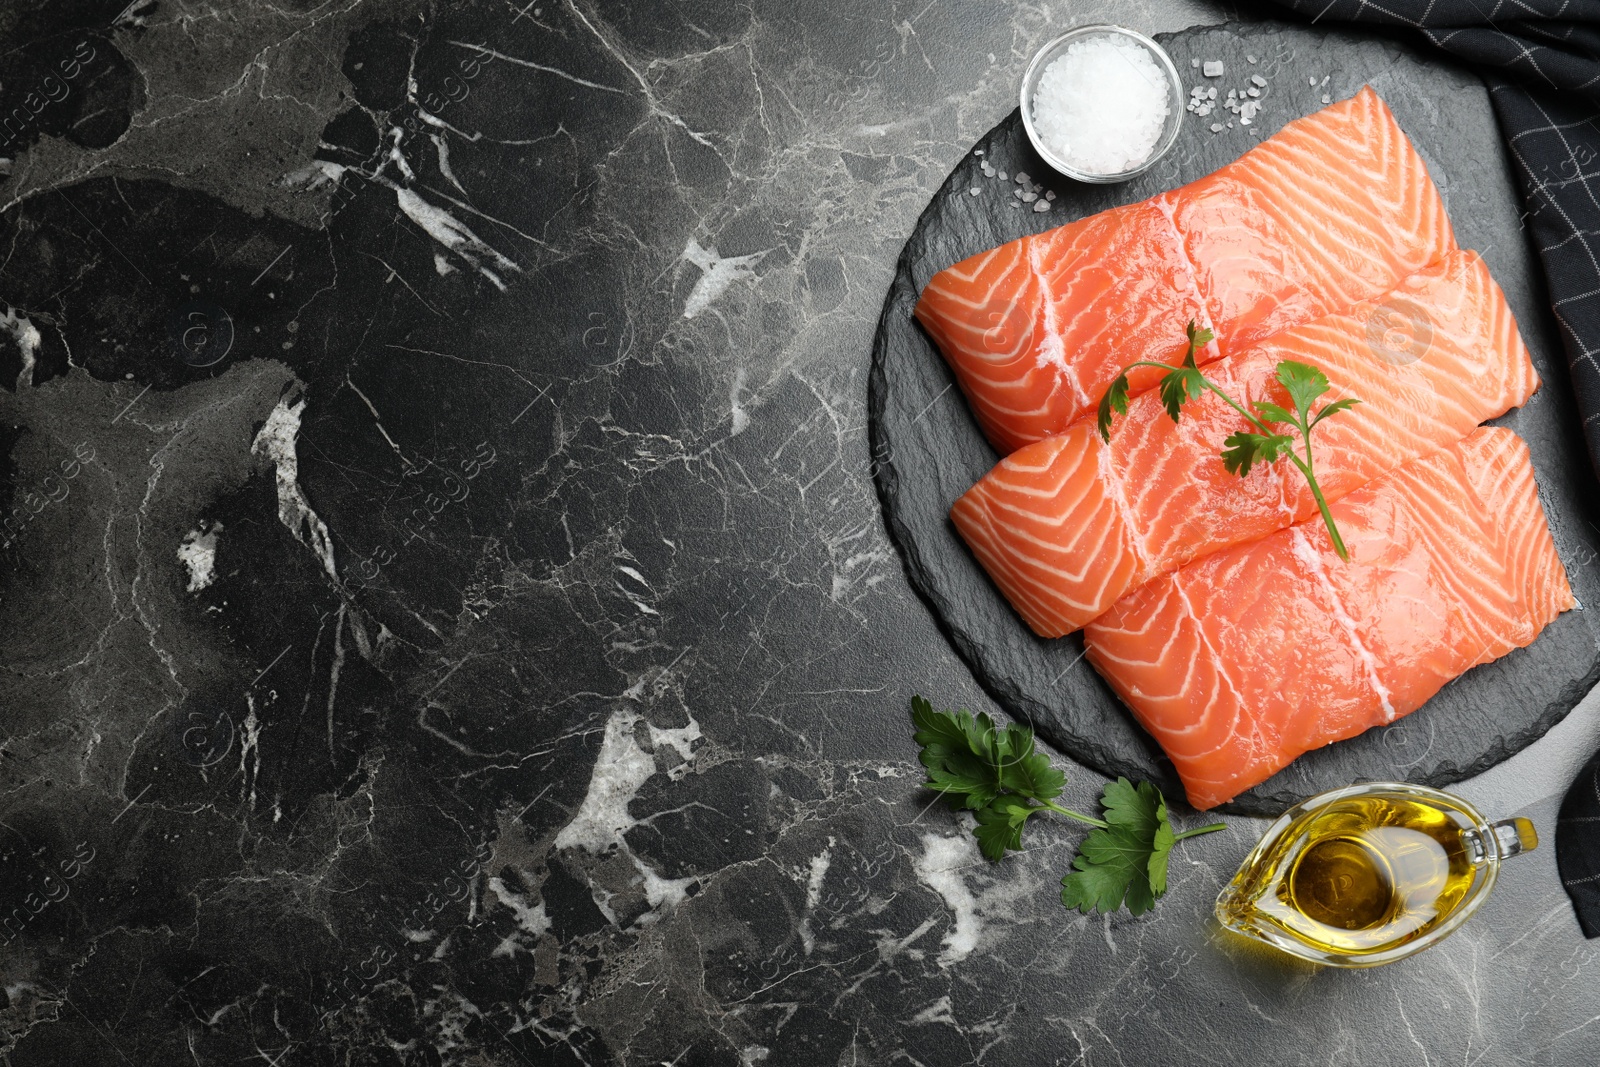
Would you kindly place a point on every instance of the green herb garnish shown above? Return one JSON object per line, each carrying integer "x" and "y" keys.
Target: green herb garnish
{"x": 1264, "y": 444}
{"x": 997, "y": 775}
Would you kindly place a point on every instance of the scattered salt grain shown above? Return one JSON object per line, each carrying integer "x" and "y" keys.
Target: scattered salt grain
{"x": 1216, "y": 127}
{"x": 1042, "y": 205}
{"x": 1194, "y": 62}
{"x": 977, "y": 151}
{"x": 1311, "y": 80}
{"x": 1252, "y": 91}
{"x": 1001, "y": 175}
{"x": 1048, "y": 196}
{"x": 1258, "y": 81}
{"x": 1200, "y": 100}
{"x": 1022, "y": 178}
{"x": 1018, "y": 193}
{"x": 1326, "y": 99}
{"x": 1212, "y": 69}
{"x": 1028, "y": 198}
{"x": 1250, "y": 59}
{"x": 1102, "y": 106}
{"x": 974, "y": 190}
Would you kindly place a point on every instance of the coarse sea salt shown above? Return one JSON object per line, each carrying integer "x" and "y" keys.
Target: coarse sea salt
{"x": 1101, "y": 107}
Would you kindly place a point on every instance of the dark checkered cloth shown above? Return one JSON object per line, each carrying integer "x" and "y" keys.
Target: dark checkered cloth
{"x": 1541, "y": 59}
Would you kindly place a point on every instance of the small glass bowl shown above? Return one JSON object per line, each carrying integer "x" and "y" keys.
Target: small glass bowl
{"x": 1175, "y": 101}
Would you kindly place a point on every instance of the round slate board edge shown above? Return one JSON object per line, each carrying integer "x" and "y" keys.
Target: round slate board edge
{"x": 1125, "y": 749}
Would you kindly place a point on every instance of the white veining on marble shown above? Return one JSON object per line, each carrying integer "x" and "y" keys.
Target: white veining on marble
{"x": 939, "y": 868}
{"x": 681, "y": 740}
{"x": 250, "y": 752}
{"x": 26, "y": 335}
{"x": 659, "y": 892}
{"x": 940, "y": 1011}
{"x": 739, "y": 414}
{"x": 457, "y": 237}
{"x": 619, "y": 770}
{"x": 533, "y": 921}
{"x": 816, "y": 872}
{"x": 276, "y": 441}
{"x": 717, "y": 275}
{"x": 315, "y": 176}
{"x": 198, "y": 553}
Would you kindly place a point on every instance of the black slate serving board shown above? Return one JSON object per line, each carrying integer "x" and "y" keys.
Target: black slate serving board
{"x": 929, "y": 450}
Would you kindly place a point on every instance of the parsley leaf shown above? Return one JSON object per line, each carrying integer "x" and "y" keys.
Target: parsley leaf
{"x": 1109, "y": 873}
{"x": 1179, "y": 386}
{"x": 1125, "y": 863}
{"x": 1334, "y": 408}
{"x": 1244, "y": 449}
{"x": 1303, "y": 382}
{"x": 1115, "y": 399}
{"x": 1271, "y": 412}
{"x": 1032, "y": 775}
{"x": 954, "y": 766}
{"x": 995, "y": 834}
{"x": 999, "y": 776}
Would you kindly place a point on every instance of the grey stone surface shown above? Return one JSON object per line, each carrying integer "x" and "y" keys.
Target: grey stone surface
{"x": 930, "y": 451}
{"x": 515, "y": 670}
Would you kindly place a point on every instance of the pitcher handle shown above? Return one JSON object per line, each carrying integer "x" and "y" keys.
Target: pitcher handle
{"x": 1512, "y": 837}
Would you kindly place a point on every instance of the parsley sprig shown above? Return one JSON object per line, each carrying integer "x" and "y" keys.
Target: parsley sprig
{"x": 999, "y": 776}
{"x": 1261, "y": 444}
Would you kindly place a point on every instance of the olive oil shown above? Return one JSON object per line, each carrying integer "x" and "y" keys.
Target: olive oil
{"x": 1358, "y": 879}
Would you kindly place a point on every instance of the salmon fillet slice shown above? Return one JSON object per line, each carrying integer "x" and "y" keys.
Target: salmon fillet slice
{"x": 1333, "y": 209}
{"x": 1240, "y": 662}
{"x": 1037, "y": 328}
{"x": 1069, "y": 524}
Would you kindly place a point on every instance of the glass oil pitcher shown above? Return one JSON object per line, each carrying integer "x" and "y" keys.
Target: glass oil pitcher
{"x": 1369, "y": 874}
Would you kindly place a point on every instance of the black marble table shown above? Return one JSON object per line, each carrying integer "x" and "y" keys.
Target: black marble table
{"x": 445, "y": 612}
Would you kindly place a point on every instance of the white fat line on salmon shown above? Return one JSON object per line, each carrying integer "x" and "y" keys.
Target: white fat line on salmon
{"x": 1313, "y": 563}
{"x": 1052, "y": 350}
{"x": 1118, "y": 497}
{"x": 1221, "y": 668}
{"x": 1165, "y": 207}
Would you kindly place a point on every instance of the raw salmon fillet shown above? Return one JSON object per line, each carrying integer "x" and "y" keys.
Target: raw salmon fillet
{"x": 1066, "y": 526}
{"x": 1240, "y": 662}
{"x": 1333, "y": 209}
